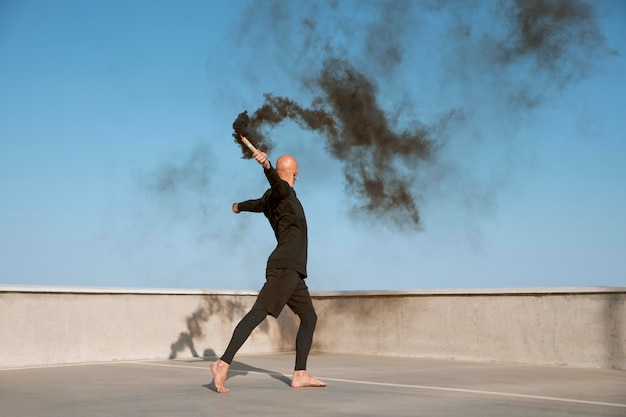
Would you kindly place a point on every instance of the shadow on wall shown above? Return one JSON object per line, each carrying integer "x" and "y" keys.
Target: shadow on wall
{"x": 230, "y": 309}
{"x": 614, "y": 336}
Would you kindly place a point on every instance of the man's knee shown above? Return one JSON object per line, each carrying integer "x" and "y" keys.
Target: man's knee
{"x": 309, "y": 318}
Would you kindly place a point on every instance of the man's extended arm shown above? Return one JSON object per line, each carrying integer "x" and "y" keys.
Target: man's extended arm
{"x": 248, "y": 205}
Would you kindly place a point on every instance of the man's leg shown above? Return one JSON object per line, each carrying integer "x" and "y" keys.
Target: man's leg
{"x": 220, "y": 367}
{"x": 301, "y": 303}
{"x": 248, "y": 323}
{"x": 304, "y": 340}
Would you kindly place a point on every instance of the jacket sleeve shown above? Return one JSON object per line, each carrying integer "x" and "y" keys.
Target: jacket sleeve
{"x": 255, "y": 206}
{"x": 278, "y": 191}
{"x": 280, "y": 188}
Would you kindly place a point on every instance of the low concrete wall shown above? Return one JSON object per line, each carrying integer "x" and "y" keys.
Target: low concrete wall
{"x": 581, "y": 327}
{"x": 41, "y": 326}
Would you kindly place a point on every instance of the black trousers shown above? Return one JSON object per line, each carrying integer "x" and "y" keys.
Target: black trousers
{"x": 255, "y": 316}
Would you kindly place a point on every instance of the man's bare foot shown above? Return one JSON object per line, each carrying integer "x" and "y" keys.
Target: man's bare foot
{"x": 302, "y": 379}
{"x": 219, "y": 368}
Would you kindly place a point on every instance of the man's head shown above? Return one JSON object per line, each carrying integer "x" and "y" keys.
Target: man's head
{"x": 287, "y": 169}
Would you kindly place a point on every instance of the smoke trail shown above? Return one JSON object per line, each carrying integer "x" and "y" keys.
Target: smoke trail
{"x": 558, "y": 35}
{"x": 382, "y": 164}
{"x": 182, "y": 186}
{"x": 555, "y": 42}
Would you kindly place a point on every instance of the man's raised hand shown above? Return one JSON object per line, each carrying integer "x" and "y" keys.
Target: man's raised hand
{"x": 261, "y": 158}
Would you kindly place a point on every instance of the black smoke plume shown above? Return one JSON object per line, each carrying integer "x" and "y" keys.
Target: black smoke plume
{"x": 555, "y": 42}
{"x": 558, "y": 35}
{"x": 380, "y": 163}
{"x": 242, "y": 127}
{"x": 535, "y": 45}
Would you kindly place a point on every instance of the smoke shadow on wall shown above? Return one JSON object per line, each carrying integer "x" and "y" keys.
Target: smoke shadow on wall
{"x": 614, "y": 335}
{"x": 231, "y": 309}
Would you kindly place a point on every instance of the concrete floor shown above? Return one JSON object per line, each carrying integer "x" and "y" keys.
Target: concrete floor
{"x": 357, "y": 386}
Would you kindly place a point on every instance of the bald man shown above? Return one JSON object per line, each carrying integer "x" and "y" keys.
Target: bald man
{"x": 285, "y": 273}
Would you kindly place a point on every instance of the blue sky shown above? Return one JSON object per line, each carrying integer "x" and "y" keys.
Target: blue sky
{"x": 117, "y": 167}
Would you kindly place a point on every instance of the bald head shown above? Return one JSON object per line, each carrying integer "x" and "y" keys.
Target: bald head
{"x": 287, "y": 168}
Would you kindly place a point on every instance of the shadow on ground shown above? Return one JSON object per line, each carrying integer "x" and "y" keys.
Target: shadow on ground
{"x": 243, "y": 369}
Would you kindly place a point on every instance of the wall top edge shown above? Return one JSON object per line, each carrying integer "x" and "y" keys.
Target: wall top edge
{"x": 429, "y": 292}
{"x": 117, "y": 290}
{"x": 480, "y": 291}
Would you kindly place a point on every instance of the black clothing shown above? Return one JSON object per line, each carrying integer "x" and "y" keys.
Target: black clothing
{"x": 242, "y": 332}
{"x": 304, "y": 339}
{"x": 286, "y": 216}
{"x": 284, "y": 286}
{"x": 285, "y": 271}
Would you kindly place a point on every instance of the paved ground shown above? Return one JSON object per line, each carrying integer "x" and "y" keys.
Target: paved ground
{"x": 357, "y": 386}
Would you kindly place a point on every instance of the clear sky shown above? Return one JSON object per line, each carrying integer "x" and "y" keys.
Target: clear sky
{"x": 117, "y": 165}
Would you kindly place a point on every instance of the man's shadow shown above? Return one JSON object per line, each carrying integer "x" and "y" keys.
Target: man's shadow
{"x": 243, "y": 369}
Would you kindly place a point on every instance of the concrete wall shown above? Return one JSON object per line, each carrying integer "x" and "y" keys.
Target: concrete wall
{"x": 574, "y": 327}
{"x": 582, "y": 327}
{"x": 53, "y": 326}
